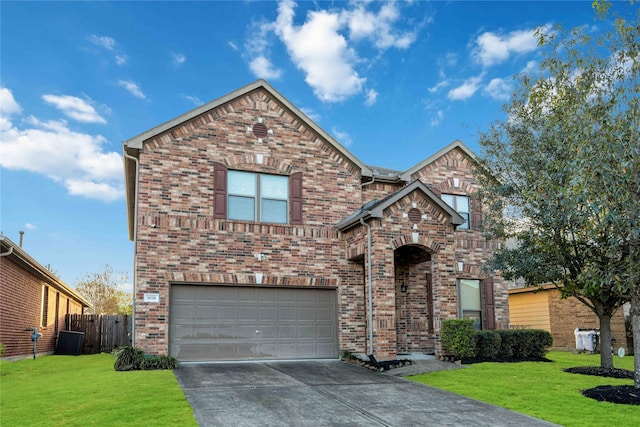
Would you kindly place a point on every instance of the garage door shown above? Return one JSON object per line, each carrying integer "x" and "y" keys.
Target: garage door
{"x": 245, "y": 323}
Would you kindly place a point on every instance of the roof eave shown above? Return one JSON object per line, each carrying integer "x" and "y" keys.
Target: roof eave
{"x": 18, "y": 254}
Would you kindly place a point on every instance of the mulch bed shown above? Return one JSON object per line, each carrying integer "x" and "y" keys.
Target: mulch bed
{"x": 623, "y": 394}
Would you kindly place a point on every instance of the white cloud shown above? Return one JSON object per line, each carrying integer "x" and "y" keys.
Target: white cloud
{"x": 178, "y": 59}
{"x": 30, "y": 226}
{"x": 75, "y": 108}
{"x": 372, "y": 96}
{"x": 323, "y": 47}
{"x": 262, "y": 68}
{"x": 103, "y": 41}
{"x": 342, "y": 137}
{"x": 132, "y": 88}
{"x": 492, "y": 48}
{"x": 378, "y": 27}
{"x": 233, "y": 46}
{"x": 498, "y": 89}
{"x": 76, "y": 160}
{"x": 321, "y": 52}
{"x": 8, "y": 104}
{"x": 109, "y": 44}
{"x": 465, "y": 90}
{"x": 437, "y": 119}
{"x": 440, "y": 85}
{"x": 311, "y": 114}
{"x": 194, "y": 99}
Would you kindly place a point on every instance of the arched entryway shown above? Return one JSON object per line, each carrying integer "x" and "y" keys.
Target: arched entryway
{"x": 414, "y": 299}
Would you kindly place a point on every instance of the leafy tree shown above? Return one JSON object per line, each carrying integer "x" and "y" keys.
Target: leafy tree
{"x": 105, "y": 292}
{"x": 566, "y": 168}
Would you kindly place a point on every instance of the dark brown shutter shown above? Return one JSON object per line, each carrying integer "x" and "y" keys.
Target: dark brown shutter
{"x": 219, "y": 190}
{"x": 295, "y": 182}
{"x": 476, "y": 214}
{"x": 488, "y": 304}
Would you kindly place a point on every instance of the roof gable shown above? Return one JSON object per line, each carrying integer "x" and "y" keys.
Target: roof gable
{"x": 457, "y": 144}
{"x": 375, "y": 209}
{"x": 137, "y": 141}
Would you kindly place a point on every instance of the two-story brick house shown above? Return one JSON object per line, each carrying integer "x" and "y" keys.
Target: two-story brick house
{"x": 259, "y": 236}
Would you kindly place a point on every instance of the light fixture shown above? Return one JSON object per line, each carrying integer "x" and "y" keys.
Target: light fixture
{"x": 403, "y": 288}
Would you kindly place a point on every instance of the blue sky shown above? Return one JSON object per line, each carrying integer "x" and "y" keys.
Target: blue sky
{"x": 394, "y": 82}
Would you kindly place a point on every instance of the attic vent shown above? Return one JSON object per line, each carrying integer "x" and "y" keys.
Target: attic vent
{"x": 415, "y": 216}
{"x": 260, "y": 130}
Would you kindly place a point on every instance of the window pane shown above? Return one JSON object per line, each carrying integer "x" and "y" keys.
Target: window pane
{"x": 470, "y": 295}
{"x": 274, "y": 187}
{"x": 274, "y": 211}
{"x": 243, "y": 208}
{"x": 241, "y": 183}
{"x": 448, "y": 199}
{"x": 466, "y": 218}
{"x": 462, "y": 203}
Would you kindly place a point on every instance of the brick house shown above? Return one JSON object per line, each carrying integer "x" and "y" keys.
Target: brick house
{"x": 259, "y": 236}
{"x": 31, "y": 296}
{"x": 543, "y": 308}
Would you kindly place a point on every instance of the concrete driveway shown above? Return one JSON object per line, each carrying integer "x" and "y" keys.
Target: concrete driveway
{"x": 327, "y": 393}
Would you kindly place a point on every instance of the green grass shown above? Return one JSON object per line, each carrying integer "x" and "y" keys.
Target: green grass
{"x": 541, "y": 389}
{"x": 85, "y": 391}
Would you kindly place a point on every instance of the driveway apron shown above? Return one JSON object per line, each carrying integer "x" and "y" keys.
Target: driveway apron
{"x": 327, "y": 393}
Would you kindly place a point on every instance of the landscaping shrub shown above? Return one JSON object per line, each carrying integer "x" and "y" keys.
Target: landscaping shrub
{"x": 128, "y": 359}
{"x": 507, "y": 343}
{"x": 513, "y": 344}
{"x": 488, "y": 344}
{"x": 150, "y": 362}
{"x": 2, "y": 349}
{"x": 458, "y": 337}
{"x": 132, "y": 358}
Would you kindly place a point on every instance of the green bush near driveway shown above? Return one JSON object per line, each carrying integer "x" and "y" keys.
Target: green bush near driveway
{"x": 86, "y": 391}
{"x": 541, "y": 389}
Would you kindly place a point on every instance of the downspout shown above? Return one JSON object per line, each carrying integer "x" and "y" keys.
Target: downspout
{"x": 135, "y": 247}
{"x": 370, "y": 287}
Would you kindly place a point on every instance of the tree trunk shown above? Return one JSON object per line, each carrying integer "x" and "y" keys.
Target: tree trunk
{"x": 606, "y": 357}
{"x": 635, "y": 324}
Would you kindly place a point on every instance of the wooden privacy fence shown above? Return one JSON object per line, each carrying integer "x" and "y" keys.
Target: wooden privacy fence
{"x": 102, "y": 333}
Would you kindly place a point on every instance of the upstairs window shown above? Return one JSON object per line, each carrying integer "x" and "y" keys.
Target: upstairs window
{"x": 461, "y": 205}
{"x": 258, "y": 197}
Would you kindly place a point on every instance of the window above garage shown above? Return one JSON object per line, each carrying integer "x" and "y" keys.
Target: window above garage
{"x": 254, "y": 195}
{"x": 257, "y": 197}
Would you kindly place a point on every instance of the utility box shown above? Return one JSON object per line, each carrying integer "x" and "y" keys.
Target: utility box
{"x": 70, "y": 343}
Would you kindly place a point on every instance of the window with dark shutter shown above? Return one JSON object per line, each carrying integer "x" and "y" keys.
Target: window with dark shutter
{"x": 296, "y": 198}
{"x": 488, "y": 304}
{"x": 219, "y": 190}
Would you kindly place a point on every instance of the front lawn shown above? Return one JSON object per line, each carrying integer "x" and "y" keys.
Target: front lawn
{"x": 86, "y": 390}
{"x": 541, "y": 389}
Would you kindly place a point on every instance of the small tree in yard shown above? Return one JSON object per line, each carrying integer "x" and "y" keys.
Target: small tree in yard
{"x": 567, "y": 162}
{"x": 105, "y": 292}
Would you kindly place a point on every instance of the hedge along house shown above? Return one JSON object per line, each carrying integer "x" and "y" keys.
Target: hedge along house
{"x": 259, "y": 236}
{"x": 31, "y": 296}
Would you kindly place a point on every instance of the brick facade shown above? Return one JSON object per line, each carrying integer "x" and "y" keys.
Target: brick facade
{"x": 22, "y": 295}
{"x": 180, "y": 238}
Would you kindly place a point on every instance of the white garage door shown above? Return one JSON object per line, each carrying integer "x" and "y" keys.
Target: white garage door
{"x": 245, "y": 323}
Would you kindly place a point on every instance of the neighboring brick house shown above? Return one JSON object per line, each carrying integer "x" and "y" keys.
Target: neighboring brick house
{"x": 31, "y": 296}
{"x": 543, "y": 308}
{"x": 259, "y": 236}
